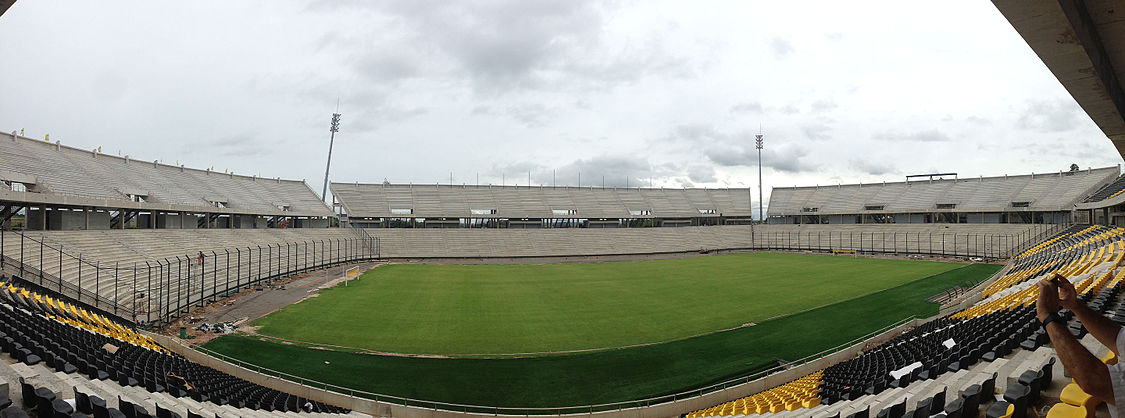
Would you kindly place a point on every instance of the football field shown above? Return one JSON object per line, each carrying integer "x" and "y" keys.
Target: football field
{"x": 849, "y": 298}
{"x": 551, "y": 308}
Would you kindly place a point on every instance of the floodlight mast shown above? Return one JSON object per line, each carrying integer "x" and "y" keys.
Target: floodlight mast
{"x": 758, "y": 145}
{"x": 332, "y": 139}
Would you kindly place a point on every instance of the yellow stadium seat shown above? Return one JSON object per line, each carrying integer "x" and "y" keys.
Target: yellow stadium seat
{"x": 1062, "y": 410}
{"x": 1074, "y": 396}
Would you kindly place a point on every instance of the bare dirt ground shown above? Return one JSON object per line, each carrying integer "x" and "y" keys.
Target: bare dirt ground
{"x": 260, "y": 300}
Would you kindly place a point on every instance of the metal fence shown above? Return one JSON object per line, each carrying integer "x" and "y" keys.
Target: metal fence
{"x": 159, "y": 290}
{"x": 998, "y": 245}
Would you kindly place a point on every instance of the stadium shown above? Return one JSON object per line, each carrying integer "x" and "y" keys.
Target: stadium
{"x": 138, "y": 288}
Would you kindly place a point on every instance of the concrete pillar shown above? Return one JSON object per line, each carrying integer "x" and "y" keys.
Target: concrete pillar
{"x": 86, "y": 211}
{"x": 43, "y": 217}
{"x": 181, "y": 220}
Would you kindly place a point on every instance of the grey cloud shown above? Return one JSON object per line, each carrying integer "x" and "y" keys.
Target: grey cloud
{"x": 872, "y": 167}
{"x": 110, "y": 86}
{"x": 234, "y": 145}
{"x": 694, "y": 132}
{"x": 1049, "y": 116}
{"x": 388, "y": 64}
{"x": 617, "y": 172}
{"x": 370, "y": 119}
{"x": 613, "y": 170}
{"x": 731, "y": 157}
{"x": 516, "y": 172}
{"x": 781, "y": 47}
{"x": 930, "y": 135}
{"x": 532, "y": 115}
{"x": 699, "y": 135}
{"x": 702, "y": 174}
{"x": 977, "y": 120}
{"x": 785, "y": 158}
{"x": 825, "y": 105}
{"x": 817, "y": 131}
{"x": 749, "y": 107}
{"x": 509, "y": 45}
{"x": 365, "y": 107}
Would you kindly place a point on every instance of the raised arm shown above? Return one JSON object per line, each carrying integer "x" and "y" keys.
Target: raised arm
{"x": 1102, "y": 328}
{"x": 1089, "y": 372}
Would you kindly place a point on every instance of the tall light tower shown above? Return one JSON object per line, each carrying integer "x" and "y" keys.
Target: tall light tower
{"x": 758, "y": 145}
{"x": 334, "y": 128}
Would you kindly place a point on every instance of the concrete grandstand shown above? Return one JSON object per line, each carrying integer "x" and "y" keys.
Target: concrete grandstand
{"x": 446, "y": 206}
{"x": 67, "y": 188}
{"x": 1029, "y": 198}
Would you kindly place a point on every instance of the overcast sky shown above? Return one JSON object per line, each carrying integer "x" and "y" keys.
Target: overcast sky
{"x": 670, "y": 93}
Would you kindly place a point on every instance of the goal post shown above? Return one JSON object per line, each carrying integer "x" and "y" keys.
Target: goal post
{"x": 351, "y": 274}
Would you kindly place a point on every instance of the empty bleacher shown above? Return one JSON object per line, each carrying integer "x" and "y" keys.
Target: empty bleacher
{"x": 102, "y": 180}
{"x": 1109, "y": 191}
{"x": 984, "y": 198}
{"x": 151, "y": 274}
{"x": 63, "y": 361}
{"x": 536, "y": 202}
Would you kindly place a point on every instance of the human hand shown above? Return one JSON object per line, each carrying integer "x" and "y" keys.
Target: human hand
{"x": 1068, "y": 296}
{"x": 1048, "y": 302}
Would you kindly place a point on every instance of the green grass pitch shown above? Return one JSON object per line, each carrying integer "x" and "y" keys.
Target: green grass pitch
{"x": 610, "y": 375}
{"x": 498, "y": 309}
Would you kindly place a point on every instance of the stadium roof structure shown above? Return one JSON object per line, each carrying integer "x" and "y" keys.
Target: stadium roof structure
{"x": 1083, "y": 44}
{"x": 5, "y": 4}
{"x": 1023, "y": 193}
{"x": 52, "y": 174}
{"x": 361, "y": 200}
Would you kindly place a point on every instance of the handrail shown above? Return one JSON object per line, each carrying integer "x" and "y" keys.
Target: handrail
{"x": 455, "y": 407}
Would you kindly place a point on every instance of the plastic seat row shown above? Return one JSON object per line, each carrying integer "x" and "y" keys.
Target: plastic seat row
{"x": 32, "y": 336}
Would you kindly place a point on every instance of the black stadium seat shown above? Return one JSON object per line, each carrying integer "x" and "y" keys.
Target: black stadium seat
{"x": 29, "y": 336}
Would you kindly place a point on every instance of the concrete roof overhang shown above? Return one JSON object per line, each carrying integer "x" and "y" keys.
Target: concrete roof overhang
{"x": 1083, "y": 44}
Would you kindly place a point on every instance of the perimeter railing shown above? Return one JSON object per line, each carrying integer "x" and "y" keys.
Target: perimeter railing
{"x": 995, "y": 245}
{"x": 153, "y": 290}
